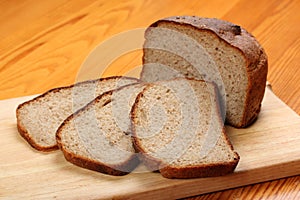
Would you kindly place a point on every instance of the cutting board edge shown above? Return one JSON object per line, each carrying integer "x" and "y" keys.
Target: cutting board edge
{"x": 168, "y": 192}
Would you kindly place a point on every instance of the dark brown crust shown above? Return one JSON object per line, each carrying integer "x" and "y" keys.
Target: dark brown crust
{"x": 210, "y": 170}
{"x": 200, "y": 171}
{"x": 254, "y": 54}
{"x": 151, "y": 163}
{"x": 95, "y": 165}
{"x": 24, "y": 132}
{"x": 128, "y": 166}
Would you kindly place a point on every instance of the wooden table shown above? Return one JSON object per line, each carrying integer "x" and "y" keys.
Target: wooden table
{"x": 44, "y": 43}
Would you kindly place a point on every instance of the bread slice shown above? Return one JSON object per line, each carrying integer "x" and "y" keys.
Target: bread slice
{"x": 213, "y": 50}
{"x": 178, "y": 130}
{"x": 39, "y": 118}
{"x": 98, "y": 136}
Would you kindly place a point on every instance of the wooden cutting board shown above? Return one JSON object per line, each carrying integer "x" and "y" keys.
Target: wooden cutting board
{"x": 269, "y": 149}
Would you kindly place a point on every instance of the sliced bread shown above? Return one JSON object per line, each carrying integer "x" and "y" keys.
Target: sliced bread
{"x": 98, "y": 136}
{"x": 177, "y": 129}
{"x": 39, "y": 118}
{"x": 213, "y": 50}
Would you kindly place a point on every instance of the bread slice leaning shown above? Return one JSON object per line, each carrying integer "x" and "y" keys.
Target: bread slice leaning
{"x": 98, "y": 136}
{"x": 177, "y": 129}
{"x": 39, "y": 118}
{"x": 213, "y": 50}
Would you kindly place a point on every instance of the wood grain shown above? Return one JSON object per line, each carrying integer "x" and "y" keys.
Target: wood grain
{"x": 43, "y": 44}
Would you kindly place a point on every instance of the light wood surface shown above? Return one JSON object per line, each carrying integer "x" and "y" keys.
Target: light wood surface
{"x": 265, "y": 152}
{"x": 44, "y": 43}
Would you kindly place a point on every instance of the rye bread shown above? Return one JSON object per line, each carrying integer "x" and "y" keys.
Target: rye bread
{"x": 39, "y": 118}
{"x": 98, "y": 136}
{"x": 213, "y": 50}
{"x": 178, "y": 130}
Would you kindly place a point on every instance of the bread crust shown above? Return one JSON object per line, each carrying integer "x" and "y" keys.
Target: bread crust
{"x": 167, "y": 171}
{"x": 84, "y": 162}
{"x": 240, "y": 39}
{"x": 151, "y": 163}
{"x": 24, "y": 132}
{"x": 201, "y": 171}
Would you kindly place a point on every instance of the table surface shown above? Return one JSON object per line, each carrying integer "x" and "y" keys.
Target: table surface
{"x": 44, "y": 43}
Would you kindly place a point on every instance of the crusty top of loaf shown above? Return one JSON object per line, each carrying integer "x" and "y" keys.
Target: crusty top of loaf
{"x": 256, "y": 62}
{"x": 233, "y": 34}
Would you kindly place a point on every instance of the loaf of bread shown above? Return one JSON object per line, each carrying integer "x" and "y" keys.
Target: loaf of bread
{"x": 178, "y": 130}
{"x": 197, "y": 73}
{"x": 98, "y": 136}
{"x": 213, "y": 50}
{"x": 39, "y": 118}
